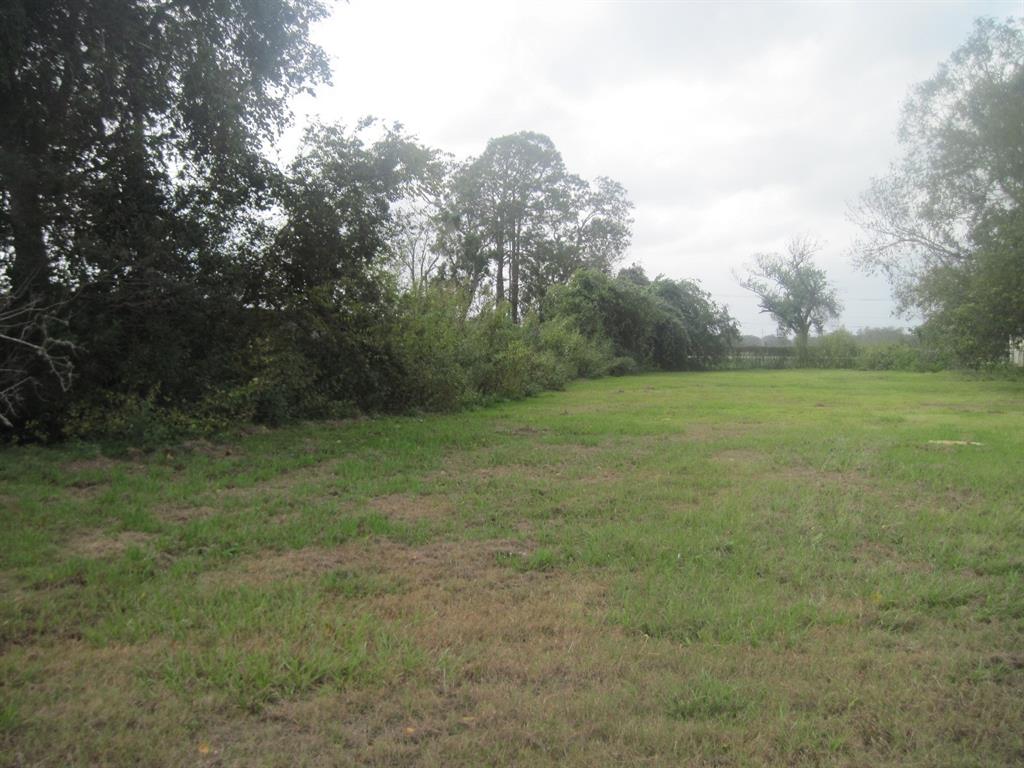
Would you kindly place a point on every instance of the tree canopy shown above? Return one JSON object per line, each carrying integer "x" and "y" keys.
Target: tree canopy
{"x": 128, "y": 128}
{"x": 520, "y": 219}
{"x": 945, "y": 223}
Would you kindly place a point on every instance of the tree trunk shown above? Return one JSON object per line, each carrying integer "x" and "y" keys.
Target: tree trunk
{"x": 500, "y": 261}
{"x": 801, "y": 345}
{"x": 514, "y": 277}
{"x": 30, "y": 271}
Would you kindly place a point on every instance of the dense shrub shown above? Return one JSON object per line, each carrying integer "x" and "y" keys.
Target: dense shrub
{"x": 838, "y": 349}
{"x": 888, "y": 357}
{"x": 433, "y": 349}
{"x": 661, "y": 324}
{"x": 580, "y": 356}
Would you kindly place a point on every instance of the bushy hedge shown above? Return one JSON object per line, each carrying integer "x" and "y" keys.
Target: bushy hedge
{"x": 425, "y": 350}
{"x": 450, "y": 358}
{"x": 650, "y": 325}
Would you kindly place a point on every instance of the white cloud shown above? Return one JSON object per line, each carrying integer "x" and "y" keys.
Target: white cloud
{"x": 734, "y": 126}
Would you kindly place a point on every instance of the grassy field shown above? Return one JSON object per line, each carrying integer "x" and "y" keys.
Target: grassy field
{"x": 756, "y": 568}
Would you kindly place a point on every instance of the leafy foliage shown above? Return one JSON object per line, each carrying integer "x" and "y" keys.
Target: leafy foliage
{"x": 793, "y": 290}
{"x": 199, "y": 285}
{"x": 515, "y": 212}
{"x": 663, "y": 324}
{"x": 945, "y": 224}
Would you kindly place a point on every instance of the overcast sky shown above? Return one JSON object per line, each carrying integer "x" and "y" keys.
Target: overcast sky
{"x": 734, "y": 126}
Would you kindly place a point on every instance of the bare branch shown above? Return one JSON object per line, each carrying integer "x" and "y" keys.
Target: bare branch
{"x": 32, "y": 357}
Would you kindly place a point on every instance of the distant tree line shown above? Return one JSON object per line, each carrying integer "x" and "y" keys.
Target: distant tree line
{"x": 868, "y": 349}
{"x": 158, "y": 274}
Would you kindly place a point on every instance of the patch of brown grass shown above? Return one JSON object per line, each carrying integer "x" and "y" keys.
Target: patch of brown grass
{"x": 426, "y": 564}
{"x": 507, "y": 648}
{"x": 95, "y": 544}
{"x": 183, "y": 514}
{"x": 95, "y": 464}
{"x": 82, "y": 705}
{"x": 704, "y": 432}
{"x": 321, "y": 474}
{"x": 870, "y": 555}
{"x": 741, "y": 456}
{"x": 412, "y": 507}
{"x": 541, "y": 462}
{"x": 206, "y": 448}
{"x": 844, "y": 479}
{"x": 521, "y": 430}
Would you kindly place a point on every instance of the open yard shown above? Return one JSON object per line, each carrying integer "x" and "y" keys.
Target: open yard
{"x": 747, "y": 568}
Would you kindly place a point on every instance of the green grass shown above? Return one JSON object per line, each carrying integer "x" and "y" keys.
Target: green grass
{"x": 743, "y": 568}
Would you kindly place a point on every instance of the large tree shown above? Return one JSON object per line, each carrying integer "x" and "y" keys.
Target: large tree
{"x": 516, "y": 214}
{"x": 322, "y": 278}
{"x": 111, "y": 109}
{"x": 944, "y": 224}
{"x": 793, "y": 290}
{"x": 132, "y": 173}
{"x": 515, "y": 183}
{"x": 588, "y": 226}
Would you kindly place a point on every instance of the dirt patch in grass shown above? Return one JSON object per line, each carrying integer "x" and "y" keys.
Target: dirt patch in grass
{"x": 93, "y": 544}
{"x": 412, "y": 507}
{"x": 930, "y": 499}
{"x": 465, "y": 469}
{"x": 321, "y": 473}
{"x": 500, "y": 472}
{"x": 870, "y": 555}
{"x": 543, "y": 461}
{"x": 507, "y": 651}
{"x": 206, "y": 448}
{"x": 711, "y": 432}
{"x": 563, "y": 471}
{"x": 87, "y": 477}
{"x": 184, "y": 514}
{"x": 95, "y": 464}
{"x": 296, "y": 563}
{"x": 741, "y": 456}
{"x": 424, "y": 564}
{"x": 522, "y": 430}
{"x": 600, "y": 478}
{"x": 846, "y": 479}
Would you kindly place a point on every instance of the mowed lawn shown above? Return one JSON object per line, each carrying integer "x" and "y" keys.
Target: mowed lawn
{"x": 742, "y": 568}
